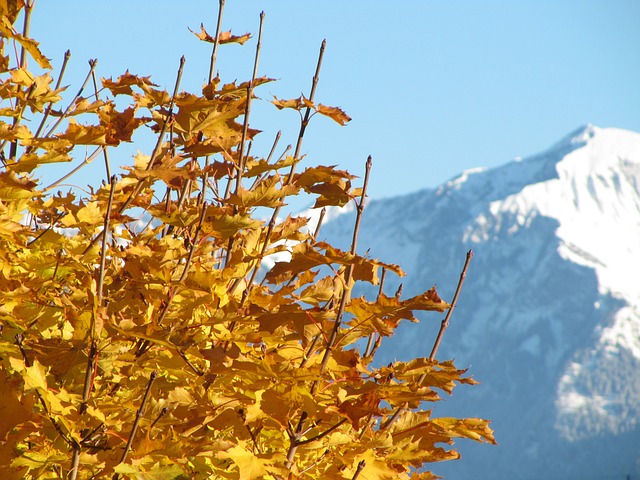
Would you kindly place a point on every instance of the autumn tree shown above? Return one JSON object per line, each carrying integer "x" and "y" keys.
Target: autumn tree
{"x": 143, "y": 333}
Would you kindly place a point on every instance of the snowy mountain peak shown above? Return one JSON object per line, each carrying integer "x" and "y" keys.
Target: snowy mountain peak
{"x": 549, "y": 319}
{"x": 578, "y": 137}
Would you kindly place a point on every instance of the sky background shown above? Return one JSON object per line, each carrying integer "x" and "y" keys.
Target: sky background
{"x": 433, "y": 87}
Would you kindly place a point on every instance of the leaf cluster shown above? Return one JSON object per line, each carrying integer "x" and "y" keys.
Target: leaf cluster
{"x": 142, "y": 333}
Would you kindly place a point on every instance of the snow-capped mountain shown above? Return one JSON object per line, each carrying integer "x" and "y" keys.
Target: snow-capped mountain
{"x": 549, "y": 316}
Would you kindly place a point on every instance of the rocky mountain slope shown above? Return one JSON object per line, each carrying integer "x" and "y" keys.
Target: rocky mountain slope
{"x": 549, "y": 317}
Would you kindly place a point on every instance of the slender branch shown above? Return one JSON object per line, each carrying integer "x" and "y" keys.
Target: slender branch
{"x": 276, "y": 211}
{"x": 143, "y": 345}
{"x": 361, "y": 465}
{"x": 369, "y": 349}
{"x": 316, "y": 462}
{"x": 245, "y": 126}
{"x": 316, "y": 232}
{"x": 28, "y": 7}
{"x": 167, "y": 120}
{"x": 162, "y": 413}
{"x": 323, "y": 434}
{"x": 194, "y": 242}
{"x": 245, "y": 129}
{"x": 86, "y": 161}
{"x": 156, "y": 149}
{"x": 13, "y": 149}
{"x": 63, "y": 68}
{"x": 92, "y": 64}
{"x": 294, "y": 437}
{"x": 212, "y": 67}
{"x": 104, "y": 150}
{"x": 445, "y": 322}
{"x": 214, "y": 50}
{"x": 443, "y": 327}
{"x": 347, "y": 287}
{"x": 103, "y": 253}
{"x": 136, "y": 422}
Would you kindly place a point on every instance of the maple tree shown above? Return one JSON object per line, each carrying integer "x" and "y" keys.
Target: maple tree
{"x": 142, "y": 333}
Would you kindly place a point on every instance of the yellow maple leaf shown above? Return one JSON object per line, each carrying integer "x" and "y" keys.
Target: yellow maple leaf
{"x": 35, "y": 376}
{"x": 250, "y": 466}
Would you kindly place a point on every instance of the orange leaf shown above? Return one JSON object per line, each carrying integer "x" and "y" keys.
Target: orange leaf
{"x": 224, "y": 37}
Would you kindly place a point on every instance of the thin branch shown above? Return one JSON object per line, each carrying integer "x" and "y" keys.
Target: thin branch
{"x": 323, "y": 434}
{"x": 194, "y": 242}
{"x": 245, "y": 129}
{"x": 103, "y": 253}
{"x": 361, "y": 465}
{"x": 212, "y": 67}
{"x": 445, "y": 322}
{"x": 92, "y": 64}
{"x": 294, "y": 437}
{"x": 247, "y": 111}
{"x": 104, "y": 150}
{"x": 136, "y": 422}
{"x": 276, "y": 211}
{"x": 86, "y": 161}
{"x": 28, "y": 7}
{"x": 156, "y": 149}
{"x": 347, "y": 287}
{"x": 443, "y": 327}
{"x": 162, "y": 413}
{"x": 214, "y": 50}
{"x": 323, "y": 212}
{"x": 369, "y": 349}
{"x": 63, "y": 68}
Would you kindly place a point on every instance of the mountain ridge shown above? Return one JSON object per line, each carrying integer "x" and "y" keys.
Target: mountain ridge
{"x": 548, "y": 319}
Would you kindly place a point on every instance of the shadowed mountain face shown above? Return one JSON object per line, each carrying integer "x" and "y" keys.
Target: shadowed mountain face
{"x": 549, "y": 317}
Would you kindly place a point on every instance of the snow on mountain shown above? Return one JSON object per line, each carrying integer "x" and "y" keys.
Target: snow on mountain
{"x": 549, "y": 318}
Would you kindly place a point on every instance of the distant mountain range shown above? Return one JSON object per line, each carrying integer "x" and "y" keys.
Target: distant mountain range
{"x": 549, "y": 316}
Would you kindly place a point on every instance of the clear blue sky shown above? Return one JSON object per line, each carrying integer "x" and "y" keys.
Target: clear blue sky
{"x": 434, "y": 87}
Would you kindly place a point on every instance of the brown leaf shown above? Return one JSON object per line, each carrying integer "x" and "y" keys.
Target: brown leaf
{"x": 224, "y": 37}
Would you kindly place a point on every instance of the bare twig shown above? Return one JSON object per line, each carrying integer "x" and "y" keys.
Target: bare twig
{"x": 247, "y": 111}
{"x": 103, "y": 253}
{"x": 156, "y": 149}
{"x": 361, "y": 465}
{"x": 323, "y": 212}
{"x": 104, "y": 150}
{"x": 65, "y": 61}
{"x": 214, "y": 50}
{"x": 445, "y": 322}
{"x": 212, "y": 67}
{"x": 92, "y": 64}
{"x": 347, "y": 287}
{"x": 276, "y": 211}
{"x": 368, "y": 351}
{"x": 245, "y": 129}
{"x": 86, "y": 161}
{"x": 443, "y": 327}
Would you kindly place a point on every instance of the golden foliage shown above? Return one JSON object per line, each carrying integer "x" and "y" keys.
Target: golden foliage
{"x": 143, "y": 334}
